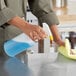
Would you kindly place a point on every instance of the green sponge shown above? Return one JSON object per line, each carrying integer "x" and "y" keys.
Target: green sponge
{"x": 66, "y": 50}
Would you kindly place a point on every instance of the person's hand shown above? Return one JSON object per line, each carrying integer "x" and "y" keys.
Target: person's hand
{"x": 60, "y": 43}
{"x": 35, "y": 32}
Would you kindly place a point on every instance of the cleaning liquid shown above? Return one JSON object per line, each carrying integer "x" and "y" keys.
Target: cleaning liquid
{"x": 17, "y": 45}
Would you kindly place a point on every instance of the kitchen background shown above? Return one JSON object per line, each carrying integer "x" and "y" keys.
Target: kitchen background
{"x": 66, "y": 12}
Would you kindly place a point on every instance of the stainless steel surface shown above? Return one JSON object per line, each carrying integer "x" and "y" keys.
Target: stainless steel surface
{"x": 37, "y": 65}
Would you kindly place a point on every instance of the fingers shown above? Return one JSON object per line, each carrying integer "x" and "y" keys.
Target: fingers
{"x": 71, "y": 52}
{"x": 34, "y": 36}
{"x": 41, "y": 32}
{"x": 37, "y": 33}
{"x": 60, "y": 42}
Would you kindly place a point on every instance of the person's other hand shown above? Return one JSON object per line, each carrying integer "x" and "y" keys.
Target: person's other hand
{"x": 60, "y": 43}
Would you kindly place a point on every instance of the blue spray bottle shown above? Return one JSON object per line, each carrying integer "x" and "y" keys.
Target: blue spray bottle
{"x": 17, "y": 45}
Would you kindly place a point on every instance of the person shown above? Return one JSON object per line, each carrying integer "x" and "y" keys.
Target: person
{"x": 12, "y": 22}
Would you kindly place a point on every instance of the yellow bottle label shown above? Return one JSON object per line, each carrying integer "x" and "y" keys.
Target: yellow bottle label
{"x": 51, "y": 38}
